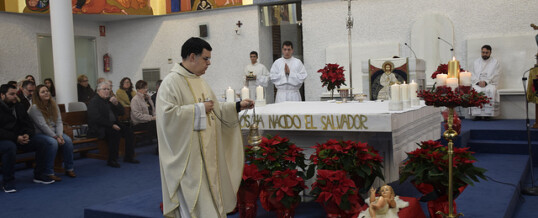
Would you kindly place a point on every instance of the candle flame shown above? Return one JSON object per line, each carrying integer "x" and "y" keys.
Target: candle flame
{"x": 453, "y": 58}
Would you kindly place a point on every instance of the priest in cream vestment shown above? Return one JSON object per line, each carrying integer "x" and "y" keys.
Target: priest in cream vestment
{"x": 201, "y": 157}
{"x": 486, "y": 72}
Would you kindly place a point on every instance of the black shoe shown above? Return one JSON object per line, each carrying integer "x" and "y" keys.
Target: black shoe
{"x": 9, "y": 187}
{"x": 114, "y": 164}
{"x": 477, "y": 118}
{"x": 487, "y": 118}
{"x": 43, "y": 179}
{"x": 131, "y": 160}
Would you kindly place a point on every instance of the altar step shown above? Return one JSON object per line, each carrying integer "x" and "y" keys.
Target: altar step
{"x": 503, "y": 142}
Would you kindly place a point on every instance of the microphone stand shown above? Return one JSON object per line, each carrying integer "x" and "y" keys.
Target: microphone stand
{"x": 451, "y": 46}
{"x": 533, "y": 190}
{"x": 411, "y": 50}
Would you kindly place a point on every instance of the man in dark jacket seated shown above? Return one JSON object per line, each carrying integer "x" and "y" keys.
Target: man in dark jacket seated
{"x": 16, "y": 131}
{"x": 26, "y": 92}
{"x": 103, "y": 123}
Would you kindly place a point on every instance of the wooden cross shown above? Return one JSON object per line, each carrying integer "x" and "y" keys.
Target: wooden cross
{"x": 239, "y": 23}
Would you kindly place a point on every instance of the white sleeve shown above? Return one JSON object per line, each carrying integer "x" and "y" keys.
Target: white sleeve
{"x": 199, "y": 117}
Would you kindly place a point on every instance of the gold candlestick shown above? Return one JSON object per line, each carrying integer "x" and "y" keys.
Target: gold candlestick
{"x": 454, "y": 68}
{"x": 449, "y": 135}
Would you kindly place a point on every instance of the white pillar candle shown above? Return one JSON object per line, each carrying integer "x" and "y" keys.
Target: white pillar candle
{"x": 413, "y": 88}
{"x": 465, "y": 78}
{"x": 259, "y": 93}
{"x": 395, "y": 92}
{"x": 404, "y": 92}
{"x": 245, "y": 93}
{"x": 230, "y": 95}
{"x": 452, "y": 83}
{"x": 441, "y": 79}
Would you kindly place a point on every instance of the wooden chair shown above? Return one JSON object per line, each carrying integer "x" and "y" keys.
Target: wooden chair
{"x": 62, "y": 108}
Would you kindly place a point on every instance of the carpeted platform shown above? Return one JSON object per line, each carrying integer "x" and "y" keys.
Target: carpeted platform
{"x": 497, "y": 197}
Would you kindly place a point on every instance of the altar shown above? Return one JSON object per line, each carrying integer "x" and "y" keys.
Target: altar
{"x": 392, "y": 133}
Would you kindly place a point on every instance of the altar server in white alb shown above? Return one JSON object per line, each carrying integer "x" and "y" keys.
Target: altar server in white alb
{"x": 486, "y": 72}
{"x": 288, "y": 74}
{"x": 257, "y": 69}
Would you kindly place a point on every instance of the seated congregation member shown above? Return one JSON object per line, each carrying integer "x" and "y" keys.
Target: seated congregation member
{"x": 154, "y": 96}
{"x": 15, "y": 132}
{"x": 85, "y": 92}
{"x": 47, "y": 119}
{"x": 143, "y": 109}
{"x": 103, "y": 123}
{"x": 125, "y": 93}
{"x": 26, "y": 92}
{"x": 29, "y": 77}
{"x": 50, "y": 85}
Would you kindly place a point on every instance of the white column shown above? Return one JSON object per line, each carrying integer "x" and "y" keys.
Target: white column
{"x": 63, "y": 51}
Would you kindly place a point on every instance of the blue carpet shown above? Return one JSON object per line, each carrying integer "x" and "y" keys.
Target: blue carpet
{"x": 134, "y": 189}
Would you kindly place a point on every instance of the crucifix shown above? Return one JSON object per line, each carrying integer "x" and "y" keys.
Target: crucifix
{"x": 349, "y": 26}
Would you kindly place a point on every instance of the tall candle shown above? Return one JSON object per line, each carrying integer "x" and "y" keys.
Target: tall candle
{"x": 453, "y": 68}
{"x": 413, "y": 87}
{"x": 395, "y": 92}
{"x": 441, "y": 79}
{"x": 259, "y": 93}
{"x": 465, "y": 78}
{"x": 230, "y": 95}
{"x": 245, "y": 93}
{"x": 404, "y": 92}
{"x": 452, "y": 83}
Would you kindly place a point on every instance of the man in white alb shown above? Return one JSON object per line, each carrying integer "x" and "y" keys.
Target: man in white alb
{"x": 259, "y": 70}
{"x": 485, "y": 78}
{"x": 288, "y": 74}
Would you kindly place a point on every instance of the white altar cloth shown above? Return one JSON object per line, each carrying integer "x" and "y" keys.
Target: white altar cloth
{"x": 392, "y": 133}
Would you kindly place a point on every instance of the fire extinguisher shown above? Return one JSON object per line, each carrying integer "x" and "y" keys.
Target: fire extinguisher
{"x": 106, "y": 62}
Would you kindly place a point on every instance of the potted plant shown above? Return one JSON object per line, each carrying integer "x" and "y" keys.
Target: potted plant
{"x": 249, "y": 190}
{"x": 426, "y": 168}
{"x": 282, "y": 183}
{"x": 332, "y": 76}
{"x": 280, "y": 192}
{"x": 336, "y": 192}
{"x": 361, "y": 162}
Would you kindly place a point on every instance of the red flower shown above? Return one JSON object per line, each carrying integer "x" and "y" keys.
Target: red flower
{"x": 335, "y": 186}
{"x": 332, "y": 76}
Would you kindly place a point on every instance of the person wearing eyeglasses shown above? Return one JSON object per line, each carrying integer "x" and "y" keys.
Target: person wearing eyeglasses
{"x": 200, "y": 146}
{"x": 85, "y": 92}
{"x": 103, "y": 123}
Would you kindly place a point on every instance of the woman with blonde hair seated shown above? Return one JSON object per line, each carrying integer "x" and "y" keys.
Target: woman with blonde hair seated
{"x": 125, "y": 93}
{"x": 48, "y": 124}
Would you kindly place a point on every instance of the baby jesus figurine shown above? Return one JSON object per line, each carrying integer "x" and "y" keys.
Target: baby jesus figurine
{"x": 385, "y": 206}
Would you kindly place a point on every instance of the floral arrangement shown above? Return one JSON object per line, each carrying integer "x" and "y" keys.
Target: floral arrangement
{"x": 335, "y": 187}
{"x": 442, "y": 69}
{"x": 332, "y": 76}
{"x": 444, "y": 96}
{"x": 276, "y": 154}
{"x": 252, "y": 174}
{"x": 284, "y": 187}
{"x": 359, "y": 160}
{"x": 428, "y": 165}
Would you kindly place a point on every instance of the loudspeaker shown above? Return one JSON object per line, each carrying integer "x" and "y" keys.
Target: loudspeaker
{"x": 203, "y": 30}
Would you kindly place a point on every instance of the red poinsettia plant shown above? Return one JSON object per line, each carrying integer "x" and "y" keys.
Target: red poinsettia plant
{"x": 335, "y": 187}
{"x": 284, "y": 187}
{"x": 332, "y": 76}
{"x": 252, "y": 174}
{"x": 442, "y": 69}
{"x": 359, "y": 160}
{"x": 276, "y": 154}
{"x": 428, "y": 164}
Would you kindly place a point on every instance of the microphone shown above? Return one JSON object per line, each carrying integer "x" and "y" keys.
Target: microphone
{"x": 411, "y": 49}
{"x": 525, "y": 78}
{"x": 451, "y": 46}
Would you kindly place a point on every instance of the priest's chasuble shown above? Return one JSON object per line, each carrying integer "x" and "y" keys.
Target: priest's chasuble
{"x": 201, "y": 159}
